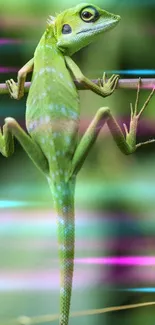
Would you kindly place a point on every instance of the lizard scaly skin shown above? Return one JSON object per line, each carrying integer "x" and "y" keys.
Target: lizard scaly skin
{"x": 52, "y": 120}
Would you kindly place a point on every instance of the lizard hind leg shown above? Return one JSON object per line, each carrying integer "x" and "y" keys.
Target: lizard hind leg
{"x": 6, "y": 142}
{"x": 127, "y": 144}
{"x": 11, "y": 129}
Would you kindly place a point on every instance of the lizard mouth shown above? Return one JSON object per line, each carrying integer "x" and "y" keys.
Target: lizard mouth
{"x": 100, "y": 28}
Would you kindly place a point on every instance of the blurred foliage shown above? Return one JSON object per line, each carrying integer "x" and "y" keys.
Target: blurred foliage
{"x": 109, "y": 182}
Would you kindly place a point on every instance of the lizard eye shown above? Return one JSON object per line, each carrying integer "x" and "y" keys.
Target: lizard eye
{"x": 89, "y": 14}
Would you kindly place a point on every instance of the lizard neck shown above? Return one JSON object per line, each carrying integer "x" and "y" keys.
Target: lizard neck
{"x": 47, "y": 43}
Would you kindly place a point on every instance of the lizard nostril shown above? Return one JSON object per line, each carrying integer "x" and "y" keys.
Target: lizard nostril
{"x": 117, "y": 17}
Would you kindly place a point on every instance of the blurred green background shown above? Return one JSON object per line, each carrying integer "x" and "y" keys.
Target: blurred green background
{"x": 115, "y": 195}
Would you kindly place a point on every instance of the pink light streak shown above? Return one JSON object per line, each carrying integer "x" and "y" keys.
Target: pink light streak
{"x": 45, "y": 279}
{"x": 122, "y": 261}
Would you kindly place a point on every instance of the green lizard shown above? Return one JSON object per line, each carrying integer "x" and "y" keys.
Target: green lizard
{"x": 52, "y": 120}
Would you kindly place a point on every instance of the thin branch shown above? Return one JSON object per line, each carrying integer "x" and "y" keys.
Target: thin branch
{"x": 122, "y": 83}
{"x": 24, "y": 320}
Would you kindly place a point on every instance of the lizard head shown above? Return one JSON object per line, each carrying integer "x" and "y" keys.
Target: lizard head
{"x": 77, "y": 27}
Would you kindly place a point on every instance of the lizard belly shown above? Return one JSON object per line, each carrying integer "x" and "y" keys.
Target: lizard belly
{"x": 52, "y": 118}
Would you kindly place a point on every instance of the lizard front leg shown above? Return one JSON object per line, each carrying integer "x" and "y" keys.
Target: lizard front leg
{"x": 104, "y": 88}
{"x": 127, "y": 144}
{"x": 17, "y": 90}
{"x": 12, "y": 128}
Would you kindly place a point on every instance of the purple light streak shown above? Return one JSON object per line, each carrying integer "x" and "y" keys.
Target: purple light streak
{"x": 42, "y": 279}
{"x": 7, "y": 41}
{"x": 8, "y": 69}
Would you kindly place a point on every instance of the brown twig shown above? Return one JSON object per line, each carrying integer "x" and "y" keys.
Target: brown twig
{"x": 122, "y": 83}
{"x": 24, "y": 320}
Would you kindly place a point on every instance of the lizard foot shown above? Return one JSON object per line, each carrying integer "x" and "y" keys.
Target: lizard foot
{"x": 135, "y": 116}
{"x": 109, "y": 86}
{"x": 13, "y": 88}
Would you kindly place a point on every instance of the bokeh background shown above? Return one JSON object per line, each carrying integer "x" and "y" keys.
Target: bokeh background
{"x": 115, "y": 195}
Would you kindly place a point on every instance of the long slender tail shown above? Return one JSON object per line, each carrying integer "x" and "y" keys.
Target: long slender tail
{"x": 66, "y": 253}
{"x": 64, "y": 202}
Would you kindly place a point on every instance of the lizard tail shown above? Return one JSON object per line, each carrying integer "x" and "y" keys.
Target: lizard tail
{"x": 64, "y": 203}
{"x": 66, "y": 254}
